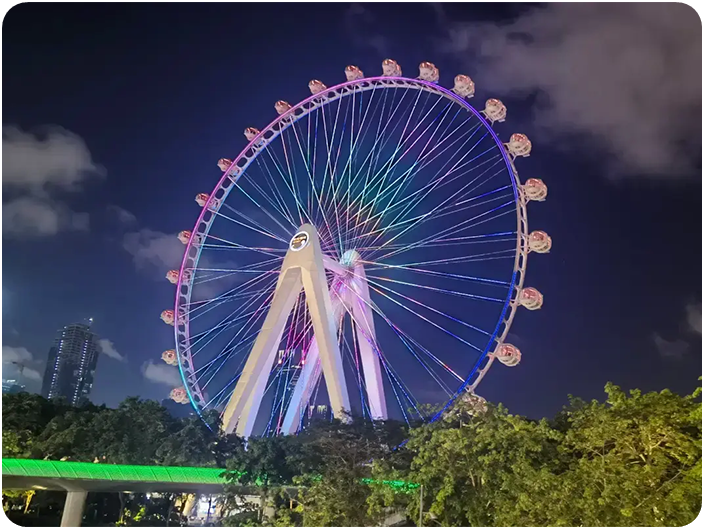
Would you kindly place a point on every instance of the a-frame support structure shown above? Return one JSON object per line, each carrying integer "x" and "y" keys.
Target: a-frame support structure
{"x": 302, "y": 268}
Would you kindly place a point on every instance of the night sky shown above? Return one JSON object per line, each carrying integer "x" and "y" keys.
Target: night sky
{"x": 114, "y": 117}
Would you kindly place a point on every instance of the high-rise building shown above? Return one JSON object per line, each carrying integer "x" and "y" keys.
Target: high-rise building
{"x": 71, "y": 365}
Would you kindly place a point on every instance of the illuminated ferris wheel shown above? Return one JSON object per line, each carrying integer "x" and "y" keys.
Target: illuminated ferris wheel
{"x": 366, "y": 251}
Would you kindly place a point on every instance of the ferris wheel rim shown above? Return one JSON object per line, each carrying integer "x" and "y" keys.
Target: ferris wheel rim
{"x": 259, "y": 144}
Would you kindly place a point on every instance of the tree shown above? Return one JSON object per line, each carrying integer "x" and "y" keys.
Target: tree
{"x": 24, "y": 417}
{"x": 262, "y": 462}
{"x": 632, "y": 460}
{"x": 337, "y": 457}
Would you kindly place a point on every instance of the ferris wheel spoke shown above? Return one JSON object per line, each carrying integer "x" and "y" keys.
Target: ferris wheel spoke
{"x": 228, "y": 353}
{"x": 206, "y": 306}
{"x": 329, "y": 169}
{"x": 416, "y": 197}
{"x": 231, "y": 245}
{"x": 423, "y": 159}
{"x": 440, "y": 290}
{"x": 255, "y": 227}
{"x": 198, "y": 308}
{"x": 404, "y": 337}
{"x": 293, "y": 174}
{"x": 445, "y": 211}
{"x": 276, "y": 200}
{"x": 374, "y": 145}
{"x": 381, "y": 141}
{"x": 227, "y": 322}
{"x": 466, "y": 224}
{"x": 286, "y": 177}
{"x": 311, "y": 178}
{"x": 400, "y": 183}
{"x": 390, "y": 372}
{"x": 223, "y": 395}
{"x": 213, "y": 333}
{"x": 432, "y": 185}
{"x": 392, "y": 162}
{"x": 239, "y": 289}
{"x": 500, "y": 254}
{"x": 378, "y": 286}
{"x": 462, "y": 277}
{"x": 258, "y": 206}
{"x": 229, "y": 350}
{"x": 354, "y": 148}
{"x": 444, "y": 202}
{"x": 437, "y": 180}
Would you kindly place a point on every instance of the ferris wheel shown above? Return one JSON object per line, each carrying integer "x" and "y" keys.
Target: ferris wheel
{"x": 364, "y": 254}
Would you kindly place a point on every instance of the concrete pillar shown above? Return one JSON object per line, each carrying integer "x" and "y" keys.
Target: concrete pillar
{"x": 73, "y": 508}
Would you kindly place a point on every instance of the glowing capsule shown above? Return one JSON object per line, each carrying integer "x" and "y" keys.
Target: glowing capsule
{"x": 494, "y": 110}
{"x": 202, "y": 198}
{"x": 282, "y": 107}
{"x": 539, "y": 242}
{"x": 535, "y": 189}
{"x": 353, "y": 73}
{"x": 250, "y": 133}
{"x": 509, "y": 355}
{"x": 224, "y": 164}
{"x": 316, "y": 87}
{"x": 172, "y": 276}
{"x": 168, "y": 317}
{"x": 428, "y": 72}
{"x": 530, "y": 298}
{"x": 464, "y": 86}
{"x": 179, "y": 395}
{"x": 169, "y": 356}
{"x": 184, "y": 236}
{"x": 391, "y": 68}
{"x": 519, "y": 145}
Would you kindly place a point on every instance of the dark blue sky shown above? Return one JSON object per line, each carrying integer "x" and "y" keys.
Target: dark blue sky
{"x": 159, "y": 93}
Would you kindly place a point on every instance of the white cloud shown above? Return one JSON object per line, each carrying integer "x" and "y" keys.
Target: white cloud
{"x": 627, "y": 75}
{"x": 20, "y": 359}
{"x": 694, "y": 317}
{"x": 675, "y": 349}
{"x": 152, "y": 249}
{"x": 108, "y": 349}
{"x": 162, "y": 374}
{"x": 37, "y": 166}
{"x": 30, "y": 216}
{"x": 123, "y": 216}
{"x": 16, "y": 354}
{"x": 53, "y": 156}
{"x": 156, "y": 253}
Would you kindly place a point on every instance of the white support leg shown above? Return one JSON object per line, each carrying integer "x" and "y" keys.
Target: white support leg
{"x": 244, "y": 403}
{"x": 366, "y": 337}
{"x": 310, "y": 374}
{"x": 74, "y": 506}
{"x": 325, "y": 330}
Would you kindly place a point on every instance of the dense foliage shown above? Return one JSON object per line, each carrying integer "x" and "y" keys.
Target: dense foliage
{"x": 633, "y": 460}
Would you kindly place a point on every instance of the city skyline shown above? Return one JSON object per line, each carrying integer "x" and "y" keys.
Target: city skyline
{"x": 622, "y": 284}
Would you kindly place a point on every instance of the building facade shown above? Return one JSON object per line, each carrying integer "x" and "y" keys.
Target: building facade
{"x": 71, "y": 365}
